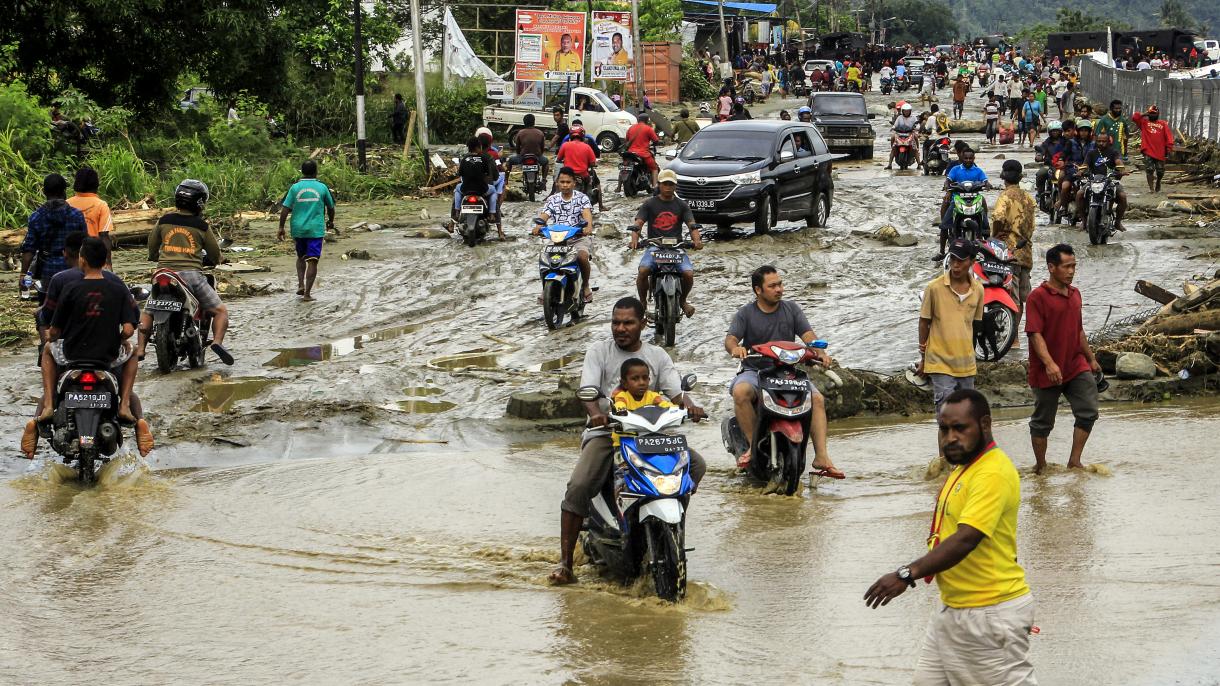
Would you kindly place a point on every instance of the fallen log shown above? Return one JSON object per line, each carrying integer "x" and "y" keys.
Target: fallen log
{"x": 1155, "y": 292}
{"x": 130, "y": 226}
{"x": 1208, "y": 320}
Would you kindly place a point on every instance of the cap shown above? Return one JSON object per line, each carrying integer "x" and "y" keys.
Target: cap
{"x": 961, "y": 248}
{"x": 667, "y": 176}
{"x": 804, "y": 110}
{"x": 481, "y": 131}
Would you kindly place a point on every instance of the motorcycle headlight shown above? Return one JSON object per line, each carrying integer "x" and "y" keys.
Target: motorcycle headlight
{"x": 996, "y": 279}
{"x": 770, "y": 404}
{"x": 787, "y": 356}
{"x": 746, "y": 178}
{"x": 667, "y": 484}
{"x": 1098, "y": 187}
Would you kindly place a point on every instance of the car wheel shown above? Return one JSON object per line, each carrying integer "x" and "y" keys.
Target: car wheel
{"x": 765, "y": 216}
{"x": 821, "y": 212}
{"x": 866, "y": 153}
{"x": 607, "y": 141}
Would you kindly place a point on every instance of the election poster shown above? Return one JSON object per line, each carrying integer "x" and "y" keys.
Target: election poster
{"x": 612, "y": 47}
{"x": 550, "y": 46}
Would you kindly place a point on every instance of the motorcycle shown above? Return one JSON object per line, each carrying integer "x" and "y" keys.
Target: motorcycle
{"x": 637, "y": 524}
{"x": 783, "y": 416}
{"x": 1099, "y": 197}
{"x": 666, "y": 285}
{"x": 902, "y": 83}
{"x": 984, "y": 77}
{"x": 968, "y": 210}
{"x": 84, "y": 429}
{"x": 937, "y": 160}
{"x": 887, "y": 85}
{"x": 531, "y": 176}
{"x": 1001, "y": 313}
{"x": 474, "y": 217}
{"x": 941, "y": 81}
{"x": 560, "y": 273}
{"x": 905, "y": 147}
{"x": 180, "y": 326}
{"x": 634, "y": 176}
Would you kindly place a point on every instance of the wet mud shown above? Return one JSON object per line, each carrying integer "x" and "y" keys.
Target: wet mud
{"x": 352, "y": 487}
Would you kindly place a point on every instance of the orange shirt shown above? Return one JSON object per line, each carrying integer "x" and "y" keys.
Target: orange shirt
{"x": 96, "y": 211}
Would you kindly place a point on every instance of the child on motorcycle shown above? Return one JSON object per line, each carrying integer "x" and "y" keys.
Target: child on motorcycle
{"x": 633, "y": 390}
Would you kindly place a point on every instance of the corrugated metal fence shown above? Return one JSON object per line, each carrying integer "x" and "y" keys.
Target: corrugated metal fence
{"x": 1190, "y": 105}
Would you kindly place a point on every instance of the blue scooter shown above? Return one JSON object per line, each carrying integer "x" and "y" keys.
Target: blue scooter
{"x": 560, "y": 272}
{"x": 637, "y": 524}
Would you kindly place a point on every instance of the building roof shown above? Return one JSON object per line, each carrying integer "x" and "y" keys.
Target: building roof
{"x": 760, "y": 7}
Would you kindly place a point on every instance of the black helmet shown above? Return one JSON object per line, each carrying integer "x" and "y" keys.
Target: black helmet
{"x": 191, "y": 195}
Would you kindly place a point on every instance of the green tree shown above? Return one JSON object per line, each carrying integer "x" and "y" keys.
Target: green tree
{"x": 1174, "y": 15}
{"x": 1076, "y": 20}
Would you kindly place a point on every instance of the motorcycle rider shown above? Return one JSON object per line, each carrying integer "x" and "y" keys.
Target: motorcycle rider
{"x": 905, "y": 122}
{"x": 529, "y": 140}
{"x": 966, "y": 170}
{"x": 804, "y": 114}
{"x": 91, "y": 324}
{"x": 183, "y": 242}
{"x": 602, "y": 365}
{"x": 1102, "y": 158}
{"x": 640, "y": 139}
{"x": 569, "y": 207}
{"x": 771, "y": 318}
{"x": 478, "y": 173}
{"x": 46, "y": 230}
{"x": 1055, "y": 144}
{"x": 561, "y": 127}
{"x": 584, "y": 165}
{"x": 665, "y": 213}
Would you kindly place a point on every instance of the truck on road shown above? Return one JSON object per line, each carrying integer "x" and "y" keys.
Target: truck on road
{"x": 602, "y": 119}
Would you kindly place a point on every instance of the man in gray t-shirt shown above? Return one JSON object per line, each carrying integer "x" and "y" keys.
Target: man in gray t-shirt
{"x": 771, "y": 318}
{"x": 603, "y": 361}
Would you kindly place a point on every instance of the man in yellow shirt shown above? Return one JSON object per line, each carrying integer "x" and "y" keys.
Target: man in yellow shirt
{"x": 565, "y": 60}
{"x": 980, "y": 634}
{"x": 618, "y": 56}
{"x": 97, "y": 213}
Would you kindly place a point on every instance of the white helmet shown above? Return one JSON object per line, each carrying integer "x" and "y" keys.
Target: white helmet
{"x": 483, "y": 130}
{"x": 906, "y": 107}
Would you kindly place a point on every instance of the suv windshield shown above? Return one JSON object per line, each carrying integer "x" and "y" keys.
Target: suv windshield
{"x": 836, "y": 105}
{"x": 717, "y": 143}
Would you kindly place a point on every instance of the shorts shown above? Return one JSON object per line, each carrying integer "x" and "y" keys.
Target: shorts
{"x": 978, "y": 645}
{"x": 647, "y": 263}
{"x": 207, "y": 296}
{"x": 1154, "y": 166}
{"x": 649, "y": 160}
{"x": 115, "y": 367}
{"x": 584, "y": 244}
{"x": 515, "y": 160}
{"x": 750, "y": 376}
{"x": 1014, "y": 104}
{"x": 1081, "y": 393}
{"x": 491, "y": 197}
{"x": 308, "y": 248}
{"x": 943, "y": 385}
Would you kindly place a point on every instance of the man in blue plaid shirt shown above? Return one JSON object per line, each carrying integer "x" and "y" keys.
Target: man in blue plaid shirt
{"x": 48, "y": 227}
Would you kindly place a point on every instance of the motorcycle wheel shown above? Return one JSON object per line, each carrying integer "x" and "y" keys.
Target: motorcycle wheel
{"x": 904, "y": 161}
{"x": 666, "y": 561}
{"x": 531, "y": 191}
{"x": 667, "y": 319}
{"x": 794, "y": 467}
{"x": 1000, "y": 328}
{"x": 194, "y": 355}
{"x": 1093, "y": 224}
{"x": 552, "y": 304}
{"x": 471, "y": 235}
{"x": 629, "y": 188}
{"x": 167, "y": 357}
{"x": 84, "y": 469}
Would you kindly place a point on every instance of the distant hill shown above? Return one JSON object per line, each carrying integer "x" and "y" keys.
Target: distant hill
{"x": 983, "y": 17}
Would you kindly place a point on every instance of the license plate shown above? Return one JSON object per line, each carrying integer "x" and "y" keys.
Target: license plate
{"x": 702, "y": 204}
{"x": 842, "y": 142}
{"x": 163, "y": 305}
{"x": 472, "y": 209}
{"x": 997, "y": 268}
{"x": 624, "y": 167}
{"x": 87, "y": 401}
{"x": 530, "y": 167}
{"x": 666, "y": 257}
{"x": 660, "y": 444}
{"x": 557, "y": 249}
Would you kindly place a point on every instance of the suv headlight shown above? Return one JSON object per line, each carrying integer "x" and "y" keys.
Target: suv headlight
{"x": 746, "y": 178}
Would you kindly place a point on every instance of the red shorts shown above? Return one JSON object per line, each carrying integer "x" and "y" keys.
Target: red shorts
{"x": 648, "y": 159}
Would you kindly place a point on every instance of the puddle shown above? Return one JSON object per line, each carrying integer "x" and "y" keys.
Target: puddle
{"x": 296, "y": 357}
{"x": 557, "y": 363}
{"x": 479, "y": 358}
{"x": 220, "y": 394}
{"x": 416, "y": 406}
{"x": 420, "y": 391}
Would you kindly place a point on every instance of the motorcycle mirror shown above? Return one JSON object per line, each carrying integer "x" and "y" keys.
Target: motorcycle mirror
{"x": 688, "y": 381}
{"x": 588, "y": 394}
{"x": 140, "y": 293}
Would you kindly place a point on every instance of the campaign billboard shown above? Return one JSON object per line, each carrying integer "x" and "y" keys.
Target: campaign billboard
{"x": 612, "y": 46}
{"x": 550, "y": 46}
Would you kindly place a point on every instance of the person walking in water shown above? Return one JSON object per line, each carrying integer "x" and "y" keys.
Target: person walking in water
{"x": 307, "y": 201}
{"x": 1060, "y": 357}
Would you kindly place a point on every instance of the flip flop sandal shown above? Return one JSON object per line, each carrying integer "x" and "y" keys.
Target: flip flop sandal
{"x": 223, "y": 354}
{"x": 588, "y": 298}
{"x": 828, "y": 473}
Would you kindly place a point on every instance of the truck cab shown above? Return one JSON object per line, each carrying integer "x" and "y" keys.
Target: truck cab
{"x": 602, "y": 119}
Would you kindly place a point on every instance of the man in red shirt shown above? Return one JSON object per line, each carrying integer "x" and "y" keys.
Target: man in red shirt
{"x": 640, "y": 138}
{"x": 1060, "y": 357}
{"x": 1156, "y": 142}
{"x": 576, "y": 154}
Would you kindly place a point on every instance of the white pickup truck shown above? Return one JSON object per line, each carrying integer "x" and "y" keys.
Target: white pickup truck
{"x": 599, "y": 115}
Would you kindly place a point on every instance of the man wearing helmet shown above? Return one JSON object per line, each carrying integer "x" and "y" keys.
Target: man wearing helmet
{"x": 804, "y": 114}
{"x": 905, "y": 122}
{"x": 1054, "y": 146}
{"x": 183, "y": 242}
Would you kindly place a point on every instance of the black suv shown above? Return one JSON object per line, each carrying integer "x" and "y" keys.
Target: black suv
{"x": 843, "y": 119}
{"x": 756, "y": 170}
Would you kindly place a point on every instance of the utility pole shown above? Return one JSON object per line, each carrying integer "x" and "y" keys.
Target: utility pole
{"x": 360, "y": 141}
{"x": 724, "y": 41}
{"x": 637, "y": 72}
{"x": 421, "y": 98}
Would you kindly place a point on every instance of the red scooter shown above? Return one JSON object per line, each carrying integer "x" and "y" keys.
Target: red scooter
{"x": 1001, "y": 313}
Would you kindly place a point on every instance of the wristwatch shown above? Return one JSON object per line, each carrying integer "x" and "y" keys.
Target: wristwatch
{"x": 904, "y": 574}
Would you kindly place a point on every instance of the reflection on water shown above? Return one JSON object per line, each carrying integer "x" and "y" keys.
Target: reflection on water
{"x": 416, "y": 406}
{"x": 480, "y": 359}
{"x": 295, "y": 357}
{"x": 219, "y": 394}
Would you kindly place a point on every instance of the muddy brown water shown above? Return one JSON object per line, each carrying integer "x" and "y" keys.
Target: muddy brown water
{"x": 361, "y": 511}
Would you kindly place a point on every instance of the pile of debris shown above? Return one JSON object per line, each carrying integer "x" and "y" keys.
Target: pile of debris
{"x": 1183, "y": 338}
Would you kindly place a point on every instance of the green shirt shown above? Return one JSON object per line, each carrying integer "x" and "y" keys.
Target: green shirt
{"x": 308, "y": 200}
{"x": 1117, "y": 128}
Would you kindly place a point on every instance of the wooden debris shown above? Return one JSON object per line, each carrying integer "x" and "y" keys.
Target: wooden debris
{"x": 1151, "y": 290}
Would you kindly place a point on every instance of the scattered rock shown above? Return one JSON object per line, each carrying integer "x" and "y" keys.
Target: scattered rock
{"x": 904, "y": 240}
{"x": 843, "y": 391}
{"x": 1135, "y": 366}
{"x": 357, "y": 225}
{"x": 426, "y": 233}
{"x": 1177, "y": 206}
{"x": 373, "y": 227}
{"x": 242, "y": 268}
{"x": 607, "y": 230}
{"x": 1002, "y": 156}
{"x": 967, "y": 126}
{"x": 357, "y": 255}
{"x": 557, "y": 403}
{"x": 889, "y": 235}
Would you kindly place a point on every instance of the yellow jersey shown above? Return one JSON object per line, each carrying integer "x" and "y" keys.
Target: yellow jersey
{"x": 620, "y": 58}
{"x": 984, "y": 495}
{"x": 623, "y": 400}
{"x": 566, "y": 61}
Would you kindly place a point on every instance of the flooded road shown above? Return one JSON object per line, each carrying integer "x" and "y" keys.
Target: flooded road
{"x": 349, "y": 503}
